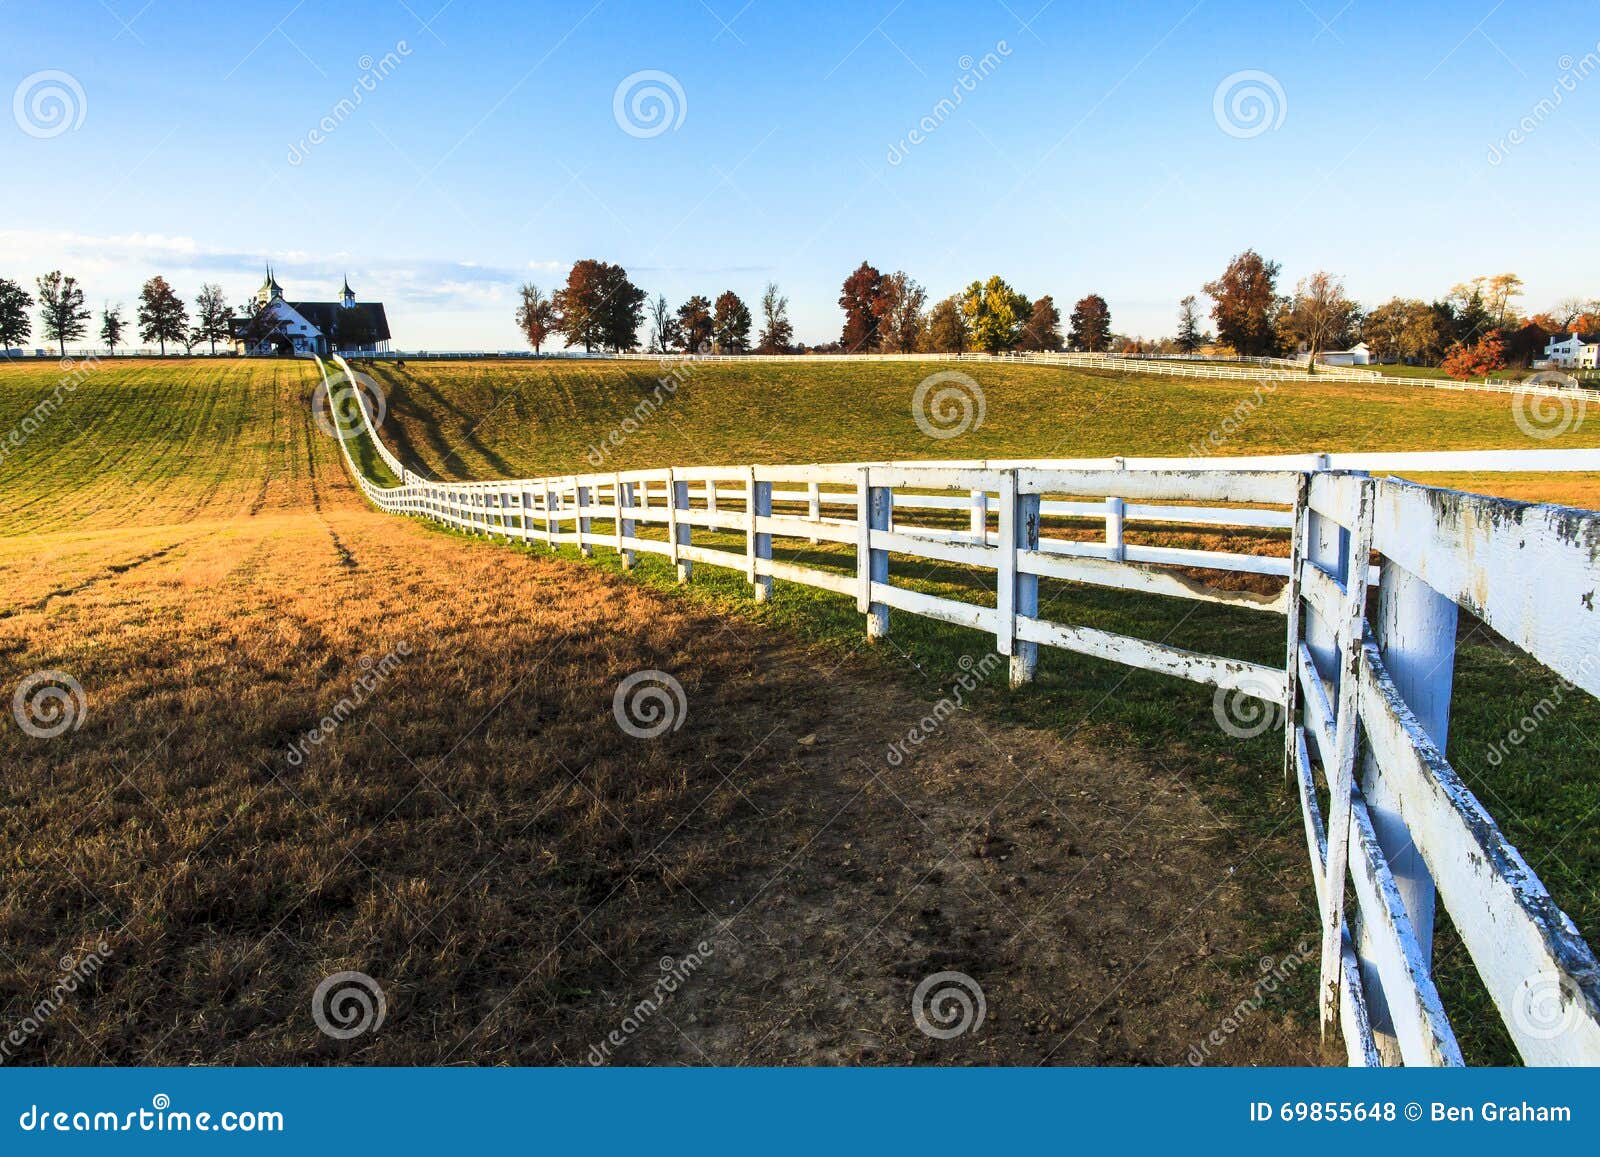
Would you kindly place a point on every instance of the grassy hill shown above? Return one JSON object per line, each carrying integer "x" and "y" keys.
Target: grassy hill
{"x": 485, "y": 419}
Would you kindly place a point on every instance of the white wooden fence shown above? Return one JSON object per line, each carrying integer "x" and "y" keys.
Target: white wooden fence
{"x": 1365, "y": 687}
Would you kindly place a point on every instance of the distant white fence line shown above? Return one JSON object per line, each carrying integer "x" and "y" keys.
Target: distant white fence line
{"x": 1365, "y": 693}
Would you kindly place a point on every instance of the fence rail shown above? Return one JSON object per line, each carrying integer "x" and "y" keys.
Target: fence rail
{"x": 1365, "y": 685}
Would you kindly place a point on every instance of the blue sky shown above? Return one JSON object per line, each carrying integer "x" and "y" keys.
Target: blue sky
{"x": 1090, "y": 158}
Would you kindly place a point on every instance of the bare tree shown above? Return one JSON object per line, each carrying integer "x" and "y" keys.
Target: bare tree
{"x": 663, "y": 325}
{"x": 1319, "y": 313}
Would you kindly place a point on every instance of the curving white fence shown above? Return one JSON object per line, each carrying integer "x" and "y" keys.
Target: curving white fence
{"x": 1375, "y": 572}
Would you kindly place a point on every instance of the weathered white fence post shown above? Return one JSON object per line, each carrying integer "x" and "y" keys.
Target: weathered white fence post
{"x": 678, "y": 493}
{"x": 1327, "y": 544}
{"x": 758, "y": 544}
{"x": 874, "y": 507}
{"x": 549, "y": 521}
{"x": 1021, "y": 512}
{"x": 1294, "y": 609}
{"x": 585, "y": 547}
{"x": 980, "y": 517}
{"x": 711, "y": 494}
{"x": 625, "y": 525}
{"x": 1116, "y": 509}
{"x": 814, "y": 505}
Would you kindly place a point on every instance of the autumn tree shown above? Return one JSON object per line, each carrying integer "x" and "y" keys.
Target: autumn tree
{"x": 15, "y": 325}
{"x": 663, "y": 325}
{"x": 1043, "y": 329}
{"x": 62, "y": 315}
{"x": 599, "y": 307}
{"x": 112, "y": 326}
{"x": 1475, "y": 359}
{"x": 536, "y": 316}
{"x": 1404, "y": 329}
{"x": 212, "y": 317}
{"x": 730, "y": 324}
{"x": 901, "y": 303}
{"x": 1190, "y": 337}
{"x": 860, "y": 300}
{"x": 1091, "y": 324}
{"x": 777, "y": 334}
{"x": 1319, "y": 314}
{"x": 946, "y": 328}
{"x": 694, "y": 324}
{"x": 994, "y": 314}
{"x": 162, "y": 316}
{"x": 1498, "y": 294}
{"x": 1246, "y": 297}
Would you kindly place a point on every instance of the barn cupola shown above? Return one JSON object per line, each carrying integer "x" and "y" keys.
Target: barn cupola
{"x": 270, "y": 290}
{"x": 347, "y": 296}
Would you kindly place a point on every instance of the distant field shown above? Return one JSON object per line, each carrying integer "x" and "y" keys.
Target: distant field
{"x": 488, "y": 419}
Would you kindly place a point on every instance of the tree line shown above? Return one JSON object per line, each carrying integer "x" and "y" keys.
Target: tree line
{"x": 162, "y": 317}
{"x": 1473, "y": 329}
{"x": 600, "y": 308}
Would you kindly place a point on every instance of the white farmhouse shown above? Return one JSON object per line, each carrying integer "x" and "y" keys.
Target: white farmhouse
{"x": 1357, "y": 355}
{"x": 278, "y": 326}
{"x": 1575, "y": 351}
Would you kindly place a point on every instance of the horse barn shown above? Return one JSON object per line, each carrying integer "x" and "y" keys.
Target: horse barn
{"x": 281, "y": 327}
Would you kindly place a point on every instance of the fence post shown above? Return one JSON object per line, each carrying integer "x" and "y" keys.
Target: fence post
{"x": 1327, "y": 543}
{"x": 980, "y": 517}
{"x": 1021, "y": 512}
{"x": 758, "y": 544}
{"x": 874, "y": 505}
{"x": 625, "y": 526}
{"x": 549, "y": 523}
{"x": 711, "y": 494}
{"x": 678, "y": 499}
{"x": 585, "y": 548}
{"x": 814, "y": 500}
{"x": 1116, "y": 508}
{"x": 1294, "y": 610}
